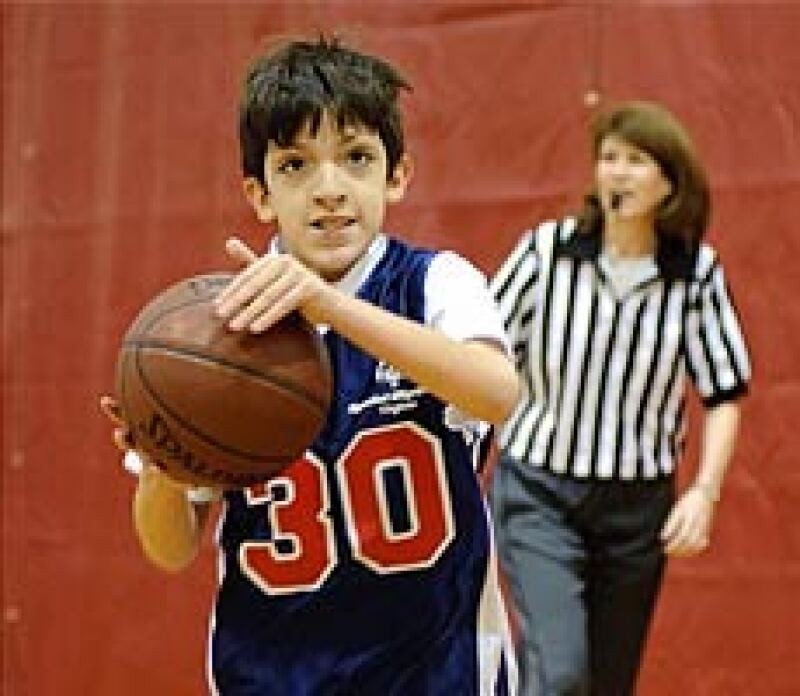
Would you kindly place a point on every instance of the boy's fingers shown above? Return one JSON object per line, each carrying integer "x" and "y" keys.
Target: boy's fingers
{"x": 264, "y": 300}
{"x": 110, "y": 406}
{"x": 239, "y": 251}
{"x": 123, "y": 439}
{"x": 279, "y": 309}
{"x": 245, "y": 256}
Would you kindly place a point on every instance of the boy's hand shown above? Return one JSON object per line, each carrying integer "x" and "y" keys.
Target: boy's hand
{"x": 136, "y": 461}
{"x": 123, "y": 438}
{"x": 268, "y": 289}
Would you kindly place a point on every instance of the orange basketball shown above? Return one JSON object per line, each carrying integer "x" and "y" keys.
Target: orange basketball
{"x": 217, "y": 407}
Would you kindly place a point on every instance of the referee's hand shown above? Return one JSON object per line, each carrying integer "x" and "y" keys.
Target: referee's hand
{"x": 687, "y": 530}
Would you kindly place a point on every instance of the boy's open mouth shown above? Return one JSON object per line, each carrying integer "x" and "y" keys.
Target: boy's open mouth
{"x": 332, "y": 224}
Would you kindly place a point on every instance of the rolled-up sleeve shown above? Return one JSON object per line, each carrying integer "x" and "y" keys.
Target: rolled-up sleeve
{"x": 718, "y": 359}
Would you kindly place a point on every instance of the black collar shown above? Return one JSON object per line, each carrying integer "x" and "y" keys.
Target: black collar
{"x": 673, "y": 260}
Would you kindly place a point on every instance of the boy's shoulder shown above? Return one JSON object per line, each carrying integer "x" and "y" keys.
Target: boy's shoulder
{"x": 399, "y": 251}
{"x": 423, "y": 259}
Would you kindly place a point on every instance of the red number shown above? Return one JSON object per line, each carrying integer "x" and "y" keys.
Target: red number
{"x": 302, "y": 552}
{"x": 418, "y": 456}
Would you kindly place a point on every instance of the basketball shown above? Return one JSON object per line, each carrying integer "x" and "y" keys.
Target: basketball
{"x": 217, "y": 407}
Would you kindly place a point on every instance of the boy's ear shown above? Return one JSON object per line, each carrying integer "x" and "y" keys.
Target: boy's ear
{"x": 400, "y": 178}
{"x": 258, "y": 198}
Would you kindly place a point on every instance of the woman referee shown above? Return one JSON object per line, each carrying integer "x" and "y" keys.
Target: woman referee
{"x": 608, "y": 313}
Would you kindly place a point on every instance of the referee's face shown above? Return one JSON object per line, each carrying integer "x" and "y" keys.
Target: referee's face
{"x": 629, "y": 181}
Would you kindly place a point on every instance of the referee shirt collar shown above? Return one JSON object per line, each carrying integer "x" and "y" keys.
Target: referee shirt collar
{"x": 673, "y": 261}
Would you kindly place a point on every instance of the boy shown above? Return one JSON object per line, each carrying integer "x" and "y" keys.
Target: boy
{"x": 365, "y": 567}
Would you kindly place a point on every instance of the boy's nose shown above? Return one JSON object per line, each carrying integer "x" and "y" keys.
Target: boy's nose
{"x": 329, "y": 201}
{"x": 329, "y": 190}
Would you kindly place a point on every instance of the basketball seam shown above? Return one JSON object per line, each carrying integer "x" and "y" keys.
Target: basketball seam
{"x": 268, "y": 377}
{"x": 183, "y": 422}
{"x": 199, "y": 299}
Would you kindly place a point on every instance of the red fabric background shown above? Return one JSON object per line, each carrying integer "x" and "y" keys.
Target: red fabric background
{"x": 120, "y": 175}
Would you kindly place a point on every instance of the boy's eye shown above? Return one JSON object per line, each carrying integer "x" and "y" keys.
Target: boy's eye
{"x": 360, "y": 157}
{"x": 291, "y": 164}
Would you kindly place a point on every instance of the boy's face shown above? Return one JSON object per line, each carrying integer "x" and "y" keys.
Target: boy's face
{"x": 328, "y": 194}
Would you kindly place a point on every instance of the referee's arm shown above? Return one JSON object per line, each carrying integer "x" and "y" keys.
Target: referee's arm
{"x": 514, "y": 290}
{"x": 720, "y": 365}
{"x": 718, "y": 361}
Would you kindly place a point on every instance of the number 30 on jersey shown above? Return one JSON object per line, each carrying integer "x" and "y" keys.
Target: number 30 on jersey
{"x": 302, "y": 551}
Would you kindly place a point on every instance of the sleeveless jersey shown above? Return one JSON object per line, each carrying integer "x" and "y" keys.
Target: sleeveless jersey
{"x": 363, "y": 567}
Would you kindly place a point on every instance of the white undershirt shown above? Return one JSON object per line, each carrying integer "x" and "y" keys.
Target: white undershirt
{"x": 626, "y": 272}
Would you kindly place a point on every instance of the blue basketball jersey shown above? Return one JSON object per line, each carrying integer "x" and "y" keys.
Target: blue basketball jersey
{"x": 363, "y": 568}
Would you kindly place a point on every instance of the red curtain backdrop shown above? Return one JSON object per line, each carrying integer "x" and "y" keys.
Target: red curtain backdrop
{"x": 120, "y": 175}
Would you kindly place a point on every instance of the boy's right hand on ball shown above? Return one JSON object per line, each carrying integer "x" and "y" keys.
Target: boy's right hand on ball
{"x": 269, "y": 288}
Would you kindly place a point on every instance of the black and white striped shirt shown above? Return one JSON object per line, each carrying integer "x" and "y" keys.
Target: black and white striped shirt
{"x": 605, "y": 372}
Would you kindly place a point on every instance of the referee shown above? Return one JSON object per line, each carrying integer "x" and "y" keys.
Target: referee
{"x": 608, "y": 313}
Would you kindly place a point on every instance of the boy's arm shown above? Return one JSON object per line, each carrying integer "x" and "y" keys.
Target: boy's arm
{"x": 169, "y": 526}
{"x": 475, "y": 376}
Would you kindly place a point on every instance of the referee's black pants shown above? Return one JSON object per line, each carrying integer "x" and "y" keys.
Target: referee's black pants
{"x": 584, "y": 564}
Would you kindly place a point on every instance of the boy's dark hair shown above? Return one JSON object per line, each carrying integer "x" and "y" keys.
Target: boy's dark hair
{"x": 299, "y": 81}
{"x": 683, "y": 216}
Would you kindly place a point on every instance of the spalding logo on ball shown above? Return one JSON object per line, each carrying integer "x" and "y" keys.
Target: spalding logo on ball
{"x": 217, "y": 407}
